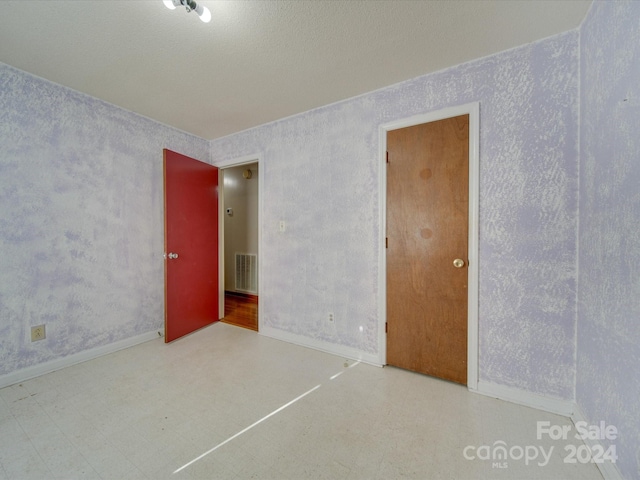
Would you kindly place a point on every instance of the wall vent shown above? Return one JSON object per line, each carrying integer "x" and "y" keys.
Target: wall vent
{"x": 246, "y": 273}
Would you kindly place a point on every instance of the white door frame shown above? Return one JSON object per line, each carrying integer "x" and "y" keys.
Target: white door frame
{"x": 473, "y": 110}
{"x": 236, "y": 162}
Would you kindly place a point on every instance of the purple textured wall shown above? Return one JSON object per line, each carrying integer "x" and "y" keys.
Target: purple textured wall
{"x": 608, "y": 347}
{"x": 321, "y": 177}
{"x": 81, "y": 226}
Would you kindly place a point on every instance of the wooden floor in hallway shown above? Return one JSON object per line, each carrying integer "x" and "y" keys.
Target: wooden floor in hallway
{"x": 241, "y": 310}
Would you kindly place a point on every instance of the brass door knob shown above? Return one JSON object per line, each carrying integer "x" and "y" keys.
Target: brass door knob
{"x": 458, "y": 263}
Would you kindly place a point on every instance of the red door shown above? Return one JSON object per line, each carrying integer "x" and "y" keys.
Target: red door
{"x": 191, "y": 245}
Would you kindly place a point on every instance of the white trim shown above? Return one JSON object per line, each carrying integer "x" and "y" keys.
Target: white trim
{"x": 473, "y": 110}
{"x": 566, "y": 408}
{"x": 474, "y": 246}
{"x": 382, "y": 247}
{"x": 57, "y": 364}
{"x": 608, "y": 470}
{"x": 527, "y": 399}
{"x": 221, "y": 265}
{"x": 236, "y": 162}
{"x": 327, "y": 347}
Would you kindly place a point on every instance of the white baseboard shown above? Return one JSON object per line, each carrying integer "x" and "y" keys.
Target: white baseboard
{"x": 528, "y": 399}
{"x": 332, "y": 348}
{"x": 53, "y": 365}
{"x": 566, "y": 408}
{"x": 608, "y": 470}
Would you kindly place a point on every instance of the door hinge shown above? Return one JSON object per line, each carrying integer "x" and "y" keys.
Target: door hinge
{"x": 386, "y": 327}
{"x": 387, "y": 157}
{"x": 386, "y": 242}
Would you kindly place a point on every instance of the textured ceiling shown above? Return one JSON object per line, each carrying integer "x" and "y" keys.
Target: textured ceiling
{"x": 258, "y": 61}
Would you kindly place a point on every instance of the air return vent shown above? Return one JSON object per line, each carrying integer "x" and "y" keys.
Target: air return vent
{"x": 247, "y": 272}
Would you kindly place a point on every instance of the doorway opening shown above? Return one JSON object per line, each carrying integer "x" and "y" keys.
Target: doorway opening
{"x": 463, "y": 264}
{"x": 239, "y": 214}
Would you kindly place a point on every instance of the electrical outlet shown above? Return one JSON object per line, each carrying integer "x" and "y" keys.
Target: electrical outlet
{"x": 38, "y": 333}
{"x": 331, "y": 320}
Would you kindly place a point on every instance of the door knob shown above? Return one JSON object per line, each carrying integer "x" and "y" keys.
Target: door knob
{"x": 458, "y": 263}
{"x": 172, "y": 256}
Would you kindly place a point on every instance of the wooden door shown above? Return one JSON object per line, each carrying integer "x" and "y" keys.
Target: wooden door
{"x": 427, "y": 230}
{"x": 191, "y": 245}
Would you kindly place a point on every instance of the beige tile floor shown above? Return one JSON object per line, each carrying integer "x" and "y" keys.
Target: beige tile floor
{"x": 219, "y": 404}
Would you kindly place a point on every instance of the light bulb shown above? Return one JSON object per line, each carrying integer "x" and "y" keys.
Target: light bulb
{"x": 205, "y": 16}
{"x": 169, "y": 4}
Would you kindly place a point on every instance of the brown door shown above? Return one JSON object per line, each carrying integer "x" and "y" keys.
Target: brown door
{"x": 427, "y": 230}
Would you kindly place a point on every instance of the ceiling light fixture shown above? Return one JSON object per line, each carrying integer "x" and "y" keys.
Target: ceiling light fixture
{"x": 202, "y": 11}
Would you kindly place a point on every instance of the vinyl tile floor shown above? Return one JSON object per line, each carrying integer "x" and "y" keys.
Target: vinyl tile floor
{"x": 228, "y": 403}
